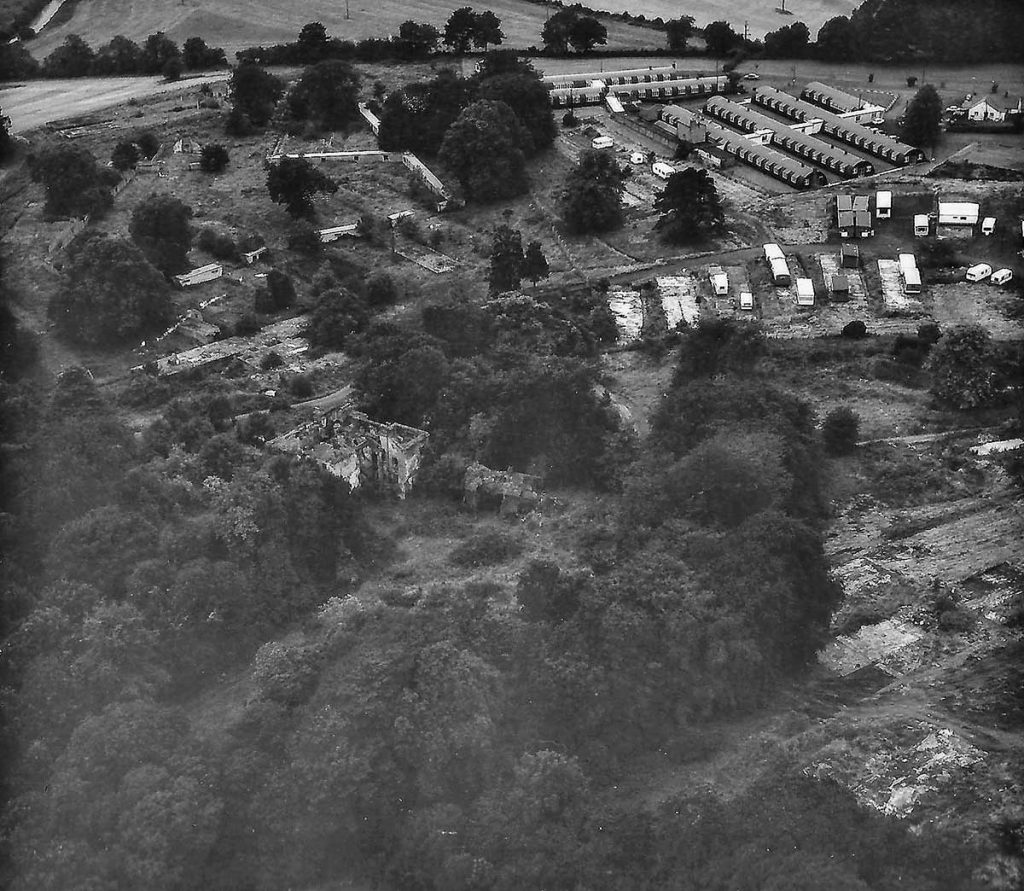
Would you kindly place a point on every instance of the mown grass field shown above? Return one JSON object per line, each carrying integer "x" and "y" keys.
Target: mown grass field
{"x": 236, "y": 24}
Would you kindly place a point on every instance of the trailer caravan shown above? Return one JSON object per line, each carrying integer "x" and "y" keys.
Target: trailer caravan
{"x": 781, "y": 275}
{"x": 719, "y": 281}
{"x": 804, "y": 292}
{"x": 988, "y": 225}
{"x": 662, "y": 170}
{"x": 883, "y": 205}
{"x": 746, "y": 300}
{"x": 1001, "y": 276}
{"x": 979, "y": 272}
{"x": 773, "y": 252}
{"x": 602, "y": 142}
{"x": 922, "y": 225}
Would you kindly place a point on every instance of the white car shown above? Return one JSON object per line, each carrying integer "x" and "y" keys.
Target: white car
{"x": 751, "y": 76}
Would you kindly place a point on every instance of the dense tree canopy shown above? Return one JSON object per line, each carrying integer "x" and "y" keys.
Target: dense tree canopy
{"x": 689, "y": 206}
{"x": 485, "y": 150}
{"x": 592, "y": 196}
{"x": 110, "y": 293}
{"x": 75, "y": 183}
{"x": 963, "y": 368}
{"x": 720, "y": 38}
{"x": 254, "y": 93}
{"x": 526, "y": 95}
{"x": 569, "y": 28}
{"x": 326, "y": 94}
{"x": 417, "y": 117}
{"x": 678, "y": 31}
{"x": 921, "y": 120}
{"x": 160, "y": 226}
{"x": 294, "y": 181}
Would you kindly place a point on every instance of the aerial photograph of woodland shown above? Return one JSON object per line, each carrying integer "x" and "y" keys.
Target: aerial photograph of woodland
{"x": 512, "y": 447}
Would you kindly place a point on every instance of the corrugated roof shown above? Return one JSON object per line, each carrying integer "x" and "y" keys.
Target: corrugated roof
{"x": 832, "y": 97}
{"x": 745, "y": 149}
{"x": 846, "y": 130}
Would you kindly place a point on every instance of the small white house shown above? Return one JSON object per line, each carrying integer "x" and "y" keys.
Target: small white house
{"x": 991, "y": 107}
{"x": 883, "y": 205}
{"x": 958, "y": 213}
{"x": 804, "y": 292}
{"x": 921, "y": 224}
{"x": 197, "y": 276}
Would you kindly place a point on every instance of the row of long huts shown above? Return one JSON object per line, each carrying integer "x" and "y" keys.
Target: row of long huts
{"x": 631, "y": 85}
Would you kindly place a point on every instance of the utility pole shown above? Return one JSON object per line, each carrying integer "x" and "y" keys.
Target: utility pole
{"x": 346, "y": 9}
{"x": 746, "y": 31}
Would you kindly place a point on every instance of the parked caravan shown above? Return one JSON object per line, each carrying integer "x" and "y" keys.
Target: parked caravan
{"x": 746, "y": 300}
{"x": 773, "y": 252}
{"x": 988, "y": 225}
{"x": 922, "y": 225}
{"x": 602, "y": 142}
{"x": 780, "y": 273}
{"x": 883, "y": 205}
{"x": 1001, "y": 276}
{"x": 804, "y": 292}
{"x": 662, "y": 170}
{"x": 906, "y": 261}
{"x": 979, "y": 273}
{"x": 912, "y": 281}
{"x": 958, "y": 213}
{"x": 719, "y": 281}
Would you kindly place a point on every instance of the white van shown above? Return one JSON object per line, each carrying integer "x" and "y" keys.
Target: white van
{"x": 988, "y": 225}
{"x": 921, "y": 224}
{"x": 662, "y": 170}
{"x": 746, "y": 300}
{"x": 1001, "y": 276}
{"x": 883, "y": 205}
{"x": 602, "y": 142}
{"x": 979, "y": 273}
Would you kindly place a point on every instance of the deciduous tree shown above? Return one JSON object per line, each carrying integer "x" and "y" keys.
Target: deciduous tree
{"x": 326, "y": 94}
{"x": 160, "y": 226}
{"x": 111, "y": 292}
{"x": 840, "y": 429}
{"x": 689, "y": 206}
{"x": 922, "y": 118}
{"x": 254, "y": 93}
{"x": 678, "y": 32}
{"x": 460, "y": 28}
{"x": 526, "y": 95}
{"x": 592, "y": 196}
{"x": 213, "y": 158}
{"x": 73, "y": 58}
{"x": 75, "y": 184}
{"x": 962, "y": 367}
{"x": 484, "y": 148}
{"x": 294, "y": 181}
{"x": 535, "y": 264}
{"x": 720, "y": 38}
{"x": 507, "y": 260}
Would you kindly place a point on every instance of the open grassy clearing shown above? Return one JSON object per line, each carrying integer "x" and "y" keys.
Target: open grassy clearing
{"x": 237, "y": 24}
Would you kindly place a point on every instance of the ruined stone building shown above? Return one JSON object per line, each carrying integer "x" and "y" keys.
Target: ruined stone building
{"x": 385, "y": 456}
{"x": 507, "y": 491}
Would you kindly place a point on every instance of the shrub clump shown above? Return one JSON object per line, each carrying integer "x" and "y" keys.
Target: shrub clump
{"x": 485, "y": 549}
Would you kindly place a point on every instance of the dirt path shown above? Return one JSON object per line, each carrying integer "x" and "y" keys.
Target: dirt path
{"x": 35, "y": 103}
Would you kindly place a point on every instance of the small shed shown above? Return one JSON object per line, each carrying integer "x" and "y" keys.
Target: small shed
{"x": 849, "y": 256}
{"x": 197, "y": 276}
{"x": 839, "y": 285}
